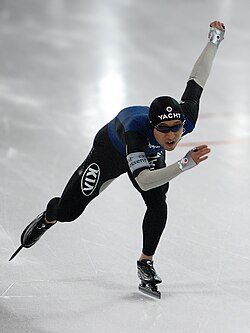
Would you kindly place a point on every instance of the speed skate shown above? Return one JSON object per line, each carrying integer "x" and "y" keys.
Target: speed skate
{"x": 149, "y": 278}
{"x": 32, "y": 233}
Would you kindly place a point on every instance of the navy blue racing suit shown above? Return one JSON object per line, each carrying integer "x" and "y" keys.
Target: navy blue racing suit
{"x": 130, "y": 131}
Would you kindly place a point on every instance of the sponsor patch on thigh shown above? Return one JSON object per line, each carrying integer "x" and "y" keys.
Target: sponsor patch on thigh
{"x": 90, "y": 179}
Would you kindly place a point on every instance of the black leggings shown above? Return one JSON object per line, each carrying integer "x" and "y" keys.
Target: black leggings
{"x": 103, "y": 164}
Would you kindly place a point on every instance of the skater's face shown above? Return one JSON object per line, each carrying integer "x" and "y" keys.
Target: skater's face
{"x": 168, "y": 133}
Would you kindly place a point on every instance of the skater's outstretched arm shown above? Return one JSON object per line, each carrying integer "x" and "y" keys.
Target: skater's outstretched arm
{"x": 203, "y": 65}
{"x": 200, "y": 73}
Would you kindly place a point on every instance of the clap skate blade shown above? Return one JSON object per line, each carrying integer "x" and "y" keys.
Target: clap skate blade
{"x": 16, "y": 252}
{"x": 149, "y": 289}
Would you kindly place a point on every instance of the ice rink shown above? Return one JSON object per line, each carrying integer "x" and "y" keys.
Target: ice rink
{"x": 66, "y": 68}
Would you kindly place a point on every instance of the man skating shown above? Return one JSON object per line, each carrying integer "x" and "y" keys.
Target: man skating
{"x": 135, "y": 142}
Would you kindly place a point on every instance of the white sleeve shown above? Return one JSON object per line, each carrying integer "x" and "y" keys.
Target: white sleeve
{"x": 150, "y": 179}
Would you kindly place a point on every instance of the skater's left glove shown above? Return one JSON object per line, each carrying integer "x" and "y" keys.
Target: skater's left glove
{"x": 194, "y": 157}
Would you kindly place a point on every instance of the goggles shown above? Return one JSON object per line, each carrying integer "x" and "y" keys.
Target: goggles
{"x": 167, "y": 129}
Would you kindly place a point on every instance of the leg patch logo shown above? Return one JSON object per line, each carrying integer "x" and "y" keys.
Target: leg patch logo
{"x": 90, "y": 179}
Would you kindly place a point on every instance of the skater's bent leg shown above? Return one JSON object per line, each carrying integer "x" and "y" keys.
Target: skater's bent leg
{"x": 86, "y": 183}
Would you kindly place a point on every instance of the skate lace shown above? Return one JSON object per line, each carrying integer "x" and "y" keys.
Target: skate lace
{"x": 147, "y": 271}
{"x": 42, "y": 226}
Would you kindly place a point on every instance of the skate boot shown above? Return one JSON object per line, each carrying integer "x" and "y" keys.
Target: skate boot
{"x": 33, "y": 232}
{"x": 149, "y": 278}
